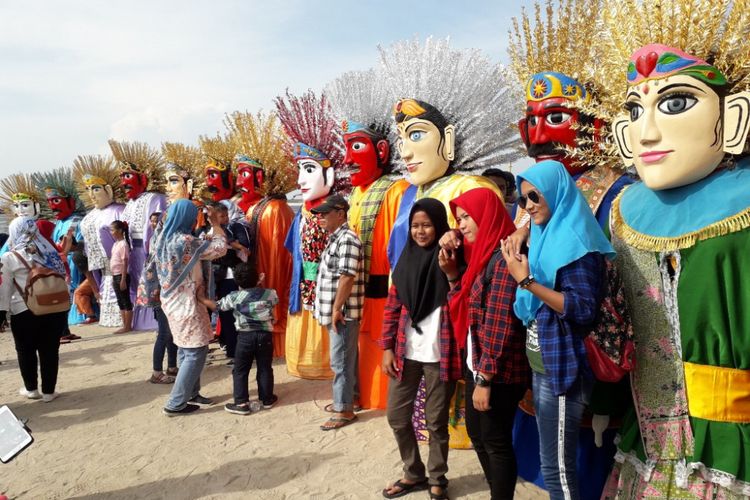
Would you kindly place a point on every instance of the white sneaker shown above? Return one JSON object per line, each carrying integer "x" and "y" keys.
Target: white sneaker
{"x": 49, "y": 397}
{"x": 29, "y": 394}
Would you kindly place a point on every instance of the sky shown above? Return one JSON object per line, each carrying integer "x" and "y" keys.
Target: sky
{"x": 76, "y": 73}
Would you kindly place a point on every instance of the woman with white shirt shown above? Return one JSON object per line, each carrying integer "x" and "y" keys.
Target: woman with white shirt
{"x": 417, "y": 341}
{"x": 37, "y": 338}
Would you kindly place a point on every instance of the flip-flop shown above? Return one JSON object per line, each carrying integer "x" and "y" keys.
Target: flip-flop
{"x": 406, "y": 488}
{"x": 337, "y": 423}
{"x": 329, "y": 408}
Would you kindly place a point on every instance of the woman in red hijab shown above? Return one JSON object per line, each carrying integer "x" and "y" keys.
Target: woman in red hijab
{"x": 485, "y": 327}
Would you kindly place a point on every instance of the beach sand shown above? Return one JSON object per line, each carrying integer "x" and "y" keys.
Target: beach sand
{"x": 106, "y": 437}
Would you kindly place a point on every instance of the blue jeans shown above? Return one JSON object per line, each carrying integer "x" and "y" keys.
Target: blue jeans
{"x": 163, "y": 342}
{"x": 188, "y": 383}
{"x": 344, "y": 360}
{"x": 558, "y": 419}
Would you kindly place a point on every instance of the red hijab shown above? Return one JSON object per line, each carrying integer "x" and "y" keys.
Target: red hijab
{"x": 493, "y": 225}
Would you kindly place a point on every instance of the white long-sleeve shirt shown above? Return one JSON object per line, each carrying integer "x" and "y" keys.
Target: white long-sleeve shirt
{"x": 13, "y": 269}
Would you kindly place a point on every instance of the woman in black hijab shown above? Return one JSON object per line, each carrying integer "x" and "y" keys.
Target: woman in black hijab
{"x": 416, "y": 342}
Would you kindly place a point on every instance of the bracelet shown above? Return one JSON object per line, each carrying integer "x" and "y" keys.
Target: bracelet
{"x": 527, "y": 281}
{"x": 454, "y": 280}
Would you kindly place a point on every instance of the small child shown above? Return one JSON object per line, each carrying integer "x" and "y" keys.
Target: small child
{"x": 118, "y": 263}
{"x": 252, "y": 307}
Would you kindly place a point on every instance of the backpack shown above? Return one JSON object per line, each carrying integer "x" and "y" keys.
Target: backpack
{"x": 46, "y": 290}
{"x": 610, "y": 348}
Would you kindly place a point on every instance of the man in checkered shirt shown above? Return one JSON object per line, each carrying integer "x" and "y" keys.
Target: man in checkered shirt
{"x": 340, "y": 291}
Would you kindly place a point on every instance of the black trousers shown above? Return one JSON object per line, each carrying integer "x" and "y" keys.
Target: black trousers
{"x": 491, "y": 434}
{"x": 228, "y": 331}
{"x": 123, "y": 296}
{"x": 37, "y": 340}
{"x": 253, "y": 346}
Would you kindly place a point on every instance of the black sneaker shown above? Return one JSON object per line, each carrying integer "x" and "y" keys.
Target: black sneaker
{"x": 202, "y": 401}
{"x": 267, "y": 405}
{"x": 237, "y": 409}
{"x": 185, "y": 411}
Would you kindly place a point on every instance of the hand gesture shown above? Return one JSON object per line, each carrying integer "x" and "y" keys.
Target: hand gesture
{"x": 518, "y": 267}
{"x": 337, "y": 319}
{"x": 447, "y": 263}
{"x": 517, "y": 239}
{"x": 451, "y": 240}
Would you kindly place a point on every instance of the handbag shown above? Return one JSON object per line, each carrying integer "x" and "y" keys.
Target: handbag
{"x": 610, "y": 348}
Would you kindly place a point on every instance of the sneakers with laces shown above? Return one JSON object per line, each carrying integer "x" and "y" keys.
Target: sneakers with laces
{"x": 202, "y": 401}
{"x": 188, "y": 409}
{"x": 238, "y": 409}
{"x": 49, "y": 397}
{"x": 267, "y": 405}
{"x": 29, "y": 394}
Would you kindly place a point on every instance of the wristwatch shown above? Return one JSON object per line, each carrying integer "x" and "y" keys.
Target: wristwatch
{"x": 481, "y": 381}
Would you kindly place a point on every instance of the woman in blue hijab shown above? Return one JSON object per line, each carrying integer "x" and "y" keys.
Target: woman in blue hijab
{"x": 562, "y": 281}
{"x": 177, "y": 253}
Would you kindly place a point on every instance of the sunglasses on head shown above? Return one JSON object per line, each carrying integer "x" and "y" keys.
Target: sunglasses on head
{"x": 532, "y": 196}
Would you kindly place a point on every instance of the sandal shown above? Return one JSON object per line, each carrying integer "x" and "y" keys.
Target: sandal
{"x": 161, "y": 379}
{"x": 329, "y": 408}
{"x": 334, "y": 423}
{"x": 406, "y": 488}
{"x": 439, "y": 496}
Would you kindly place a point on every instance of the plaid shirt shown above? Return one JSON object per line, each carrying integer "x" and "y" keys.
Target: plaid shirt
{"x": 582, "y": 283}
{"x": 343, "y": 256}
{"x": 497, "y": 335}
{"x": 252, "y": 308}
{"x": 395, "y": 320}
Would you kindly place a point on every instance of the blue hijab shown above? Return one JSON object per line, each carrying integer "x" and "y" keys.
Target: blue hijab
{"x": 177, "y": 250}
{"x": 569, "y": 234}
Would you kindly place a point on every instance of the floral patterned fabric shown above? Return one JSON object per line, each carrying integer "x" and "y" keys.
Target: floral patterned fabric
{"x": 314, "y": 241}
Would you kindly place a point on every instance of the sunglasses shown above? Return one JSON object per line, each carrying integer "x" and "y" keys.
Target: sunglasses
{"x": 532, "y": 196}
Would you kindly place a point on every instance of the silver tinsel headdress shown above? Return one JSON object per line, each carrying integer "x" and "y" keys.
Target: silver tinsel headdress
{"x": 59, "y": 182}
{"x": 474, "y": 94}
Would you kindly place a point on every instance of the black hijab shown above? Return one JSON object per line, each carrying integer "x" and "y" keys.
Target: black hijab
{"x": 420, "y": 284}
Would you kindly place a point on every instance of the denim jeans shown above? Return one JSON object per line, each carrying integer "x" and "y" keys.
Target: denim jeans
{"x": 163, "y": 342}
{"x": 558, "y": 419}
{"x": 188, "y": 383}
{"x": 258, "y": 346}
{"x": 344, "y": 344}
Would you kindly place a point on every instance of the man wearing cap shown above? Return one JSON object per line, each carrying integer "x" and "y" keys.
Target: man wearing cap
{"x": 338, "y": 304}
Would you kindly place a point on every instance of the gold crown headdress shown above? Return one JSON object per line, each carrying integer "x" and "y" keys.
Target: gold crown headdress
{"x": 18, "y": 187}
{"x": 96, "y": 169}
{"x": 187, "y": 161}
{"x": 260, "y": 136}
{"x": 218, "y": 152}
{"x": 141, "y": 158}
{"x": 715, "y": 31}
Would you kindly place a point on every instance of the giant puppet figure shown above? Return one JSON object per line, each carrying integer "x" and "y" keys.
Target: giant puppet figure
{"x": 140, "y": 169}
{"x": 19, "y": 198}
{"x": 67, "y": 208}
{"x": 361, "y": 101}
{"x": 682, "y": 236}
{"x": 184, "y": 175}
{"x": 220, "y": 179}
{"x": 563, "y": 121}
{"x": 265, "y": 173}
{"x": 98, "y": 182}
{"x": 313, "y": 144}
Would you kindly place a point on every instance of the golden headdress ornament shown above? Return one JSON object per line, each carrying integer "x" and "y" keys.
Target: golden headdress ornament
{"x": 139, "y": 157}
{"x": 218, "y": 152}
{"x": 18, "y": 187}
{"x": 260, "y": 137}
{"x": 187, "y": 162}
{"x": 89, "y": 170}
{"x": 713, "y": 32}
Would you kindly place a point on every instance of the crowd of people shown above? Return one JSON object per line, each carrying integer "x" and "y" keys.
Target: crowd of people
{"x": 580, "y": 325}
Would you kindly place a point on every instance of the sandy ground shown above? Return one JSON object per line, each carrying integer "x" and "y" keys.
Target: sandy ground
{"x": 105, "y": 437}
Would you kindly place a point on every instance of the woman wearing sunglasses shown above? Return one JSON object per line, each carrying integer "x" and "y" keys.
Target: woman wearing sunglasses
{"x": 562, "y": 283}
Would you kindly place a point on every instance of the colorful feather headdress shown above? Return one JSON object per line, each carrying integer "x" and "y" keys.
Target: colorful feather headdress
{"x": 59, "y": 182}
{"x": 260, "y": 137}
{"x": 473, "y": 94}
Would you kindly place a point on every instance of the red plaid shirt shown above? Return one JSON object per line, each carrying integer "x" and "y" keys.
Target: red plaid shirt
{"x": 497, "y": 335}
{"x": 395, "y": 320}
